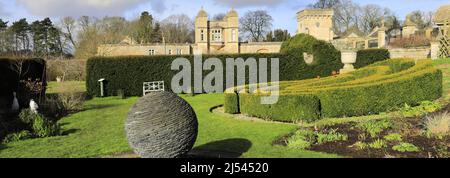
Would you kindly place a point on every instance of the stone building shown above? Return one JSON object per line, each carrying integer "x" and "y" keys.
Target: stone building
{"x": 211, "y": 37}
{"x": 317, "y": 23}
{"x": 410, "y": 28}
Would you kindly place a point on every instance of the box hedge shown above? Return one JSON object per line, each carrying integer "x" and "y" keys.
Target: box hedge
{"x": 369, "y": 56}
{"x": 377, "y": 88}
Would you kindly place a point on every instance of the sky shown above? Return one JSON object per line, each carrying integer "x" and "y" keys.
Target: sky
{"x": 282, "y": 11}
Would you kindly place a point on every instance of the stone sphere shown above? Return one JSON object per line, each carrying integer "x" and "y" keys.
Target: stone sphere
{"x": 161, "y": 125}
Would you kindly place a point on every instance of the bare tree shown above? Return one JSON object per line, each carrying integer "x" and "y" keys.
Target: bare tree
{"x": 256, "y": 24}
{"x": 178, "y": 29}
{"x": 68, "y": 27}
{"x": 219, "y": 17}
{"x": 371, "y": 16}
{"x": 345, "y": 15}
{"x": 422, "y": 19}
{"x": 324, "y": 4}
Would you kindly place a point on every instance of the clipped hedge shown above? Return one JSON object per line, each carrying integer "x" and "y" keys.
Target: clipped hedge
{"x": 127, "y": 73}
{"x": 369, "y": 56}
{"x": 377, "y": 88}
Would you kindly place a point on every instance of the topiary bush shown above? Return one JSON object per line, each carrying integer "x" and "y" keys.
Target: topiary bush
{"x": 377, "y": 88}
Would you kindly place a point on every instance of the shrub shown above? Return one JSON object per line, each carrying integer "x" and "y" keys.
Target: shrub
{"x": 41, "y": 126}
{"x": 72, "y": 101}
{"x": 27, "y": 116}
{"x": 405, "y": 147}
{"x": 423, "y": 108}
{"x": 14, "y": 137}
{"x": 369, "y": 56}
{"x": 393, "y": 137}
{"x": 373, "y": 128}
{"x": 380, "y": 87}
{"x": 45, "y": 128}
{"x": 302, "y": 139}
{"x": 69, "y": 70}
{"x": 378, "y": 144}
{"x": 332, "y": 136}
{"x": 438, "y": 125}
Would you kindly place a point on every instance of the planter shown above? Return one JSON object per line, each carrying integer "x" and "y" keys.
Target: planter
{"x": 348, "y": 58}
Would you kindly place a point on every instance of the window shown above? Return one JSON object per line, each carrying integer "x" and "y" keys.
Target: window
{"x": 217, "y": 35}
{"x": 179, "y": 51}
{"x": 233, "y": 35}
{"x": 152, "y": 52}
{"x": 317, "y": 24}
{"x": 202, "y": 36}
{"x": 170, "y": 52}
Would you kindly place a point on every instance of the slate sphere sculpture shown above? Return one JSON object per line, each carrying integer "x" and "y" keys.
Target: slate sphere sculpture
{"x": 161, "y": 125}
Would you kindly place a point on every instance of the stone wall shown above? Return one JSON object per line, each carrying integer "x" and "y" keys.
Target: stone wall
{"x": 413, "y": 53}
{"x": 152, "y": 49}
{"x": 263, "y": 47}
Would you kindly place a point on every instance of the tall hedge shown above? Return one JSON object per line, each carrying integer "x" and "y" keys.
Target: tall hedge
{"x": 32, "y": 68}
{"x": 128, "y": 73}
{"x": 369, "y": 56}
{"x": 377, "y": 88}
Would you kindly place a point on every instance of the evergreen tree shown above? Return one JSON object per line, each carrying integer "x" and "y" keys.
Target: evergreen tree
{"x": 20, "y": 30}
{"x": 157, "y": 34}
{"x": 144, "y": 28}
{"x": 3, "y": 41}
{"x": 281, "y": 35}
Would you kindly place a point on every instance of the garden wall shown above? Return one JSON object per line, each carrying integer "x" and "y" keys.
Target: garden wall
{"x": 413, "y": 53}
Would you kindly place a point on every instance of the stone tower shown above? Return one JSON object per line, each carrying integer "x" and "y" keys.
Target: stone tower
{"x": 201, "y": 31}
{"x": 317, "y": 23}
{"x": 217, "y": 37}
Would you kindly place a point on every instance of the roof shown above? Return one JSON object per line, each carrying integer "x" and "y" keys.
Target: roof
{"x": 353, "y": 30}
{"x": 409, "y": 22}
{"x": 442, "y": 15}
{"x": 316, "y": 12}
{"x": 232, "y": 13}
{"x": 202, "y": 13}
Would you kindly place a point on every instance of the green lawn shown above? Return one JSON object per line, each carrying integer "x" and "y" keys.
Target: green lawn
{"x": 99, "y": 131}
{"x": 70, "y": 86}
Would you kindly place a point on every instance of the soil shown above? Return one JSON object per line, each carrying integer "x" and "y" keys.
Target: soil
{"x": 410, "y": 128}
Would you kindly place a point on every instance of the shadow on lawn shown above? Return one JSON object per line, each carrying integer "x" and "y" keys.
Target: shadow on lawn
{"x": 230, "y": 148}
{"x": 2, "y": 146}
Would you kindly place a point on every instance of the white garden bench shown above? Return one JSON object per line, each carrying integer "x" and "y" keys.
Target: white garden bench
{"x": 153, "y": 87}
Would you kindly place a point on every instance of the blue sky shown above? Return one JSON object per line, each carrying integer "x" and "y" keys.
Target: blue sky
{"x": 283, "y": 11}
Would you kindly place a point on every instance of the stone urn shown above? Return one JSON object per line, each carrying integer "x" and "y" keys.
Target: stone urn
{"x": 348, "y": 58}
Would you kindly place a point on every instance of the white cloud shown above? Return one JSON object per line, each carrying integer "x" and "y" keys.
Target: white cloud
{"x": 249, "y": 3}
{"x": 158, "y": 6}
{"x": 58, "y": 8}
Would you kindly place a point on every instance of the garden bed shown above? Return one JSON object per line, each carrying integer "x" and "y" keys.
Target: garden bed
{"x": 406, "y": 134}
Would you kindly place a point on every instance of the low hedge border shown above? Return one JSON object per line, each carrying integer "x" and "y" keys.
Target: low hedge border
{"x": 378, "y": 90}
